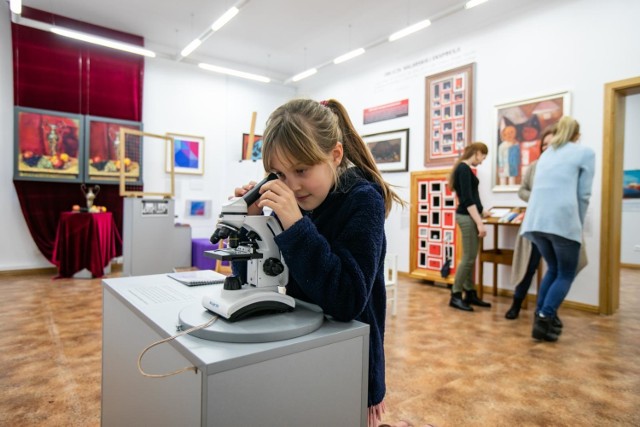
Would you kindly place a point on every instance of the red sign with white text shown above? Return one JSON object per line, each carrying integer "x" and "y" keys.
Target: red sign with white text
{"x": 389, "y": 111}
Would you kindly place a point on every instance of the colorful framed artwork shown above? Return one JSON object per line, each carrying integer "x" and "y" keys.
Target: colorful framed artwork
{"x": 187, "y": 152}
{"x": 434, "y": 237}
{"x": 48, "y": 145}
{"x": 390, "y": 150}
{"x": 448, "y": 121}
{"x": 255, "y": 153}
{"x": 198, "y": 208}
{"x": 102, "y": 142}
{"x": 631, "y": 184}
{"x": 518, "y": 128}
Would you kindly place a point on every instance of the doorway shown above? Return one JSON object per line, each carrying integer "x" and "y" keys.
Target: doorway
{"x": 612, "y": 161}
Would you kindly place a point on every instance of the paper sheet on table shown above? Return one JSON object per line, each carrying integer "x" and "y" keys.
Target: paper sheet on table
{"x": 499, "y": 212}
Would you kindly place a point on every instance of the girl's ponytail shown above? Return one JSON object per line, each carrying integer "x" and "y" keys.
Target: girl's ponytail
{"x": 357, "y": 153}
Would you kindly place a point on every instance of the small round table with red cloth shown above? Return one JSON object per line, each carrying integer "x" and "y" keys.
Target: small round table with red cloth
{"x": 85, "y": 240}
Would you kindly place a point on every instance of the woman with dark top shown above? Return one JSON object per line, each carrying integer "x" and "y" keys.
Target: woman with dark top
{"x": 469, "y": 216}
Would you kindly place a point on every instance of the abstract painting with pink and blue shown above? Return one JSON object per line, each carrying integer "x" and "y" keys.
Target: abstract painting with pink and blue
{"x": 197, "y": 208}
{"x": 187, "y": 153}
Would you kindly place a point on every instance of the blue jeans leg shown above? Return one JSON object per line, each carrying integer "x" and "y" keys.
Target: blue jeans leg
{"x": 561, "y": 256}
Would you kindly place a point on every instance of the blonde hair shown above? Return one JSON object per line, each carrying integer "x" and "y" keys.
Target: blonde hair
{"x": 307, "y": 131}
{"x": 567, "y": 130}
{"x": 469, "y": 151}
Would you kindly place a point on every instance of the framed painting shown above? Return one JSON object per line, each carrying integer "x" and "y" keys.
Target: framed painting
{"x": 102, "y": 142}
{"x": 198, "y": 208}
{"x": 434, "y": 237}
{"x": 390, "y": 150}
{"x": 448, "y": 121}
{"x": 518, "y": 128}
{"x": 48, "y": 145}
{"x": 631, "y": 184}
{"x": 187, "y": 152}
{"x": 255, "y": 153}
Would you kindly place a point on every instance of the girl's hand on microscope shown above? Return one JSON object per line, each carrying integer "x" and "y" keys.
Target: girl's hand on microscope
{"x": 254, "y": 209}
{"x": 277, "y": 196}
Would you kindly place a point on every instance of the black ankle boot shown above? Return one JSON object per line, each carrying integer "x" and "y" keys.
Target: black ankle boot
{"x": 514, "y": 311}
{"x": 457, "y": 302}
{"x": 543, "y": 330}
{"x": 556, "y": 322}
{"x": 471, "y": 298}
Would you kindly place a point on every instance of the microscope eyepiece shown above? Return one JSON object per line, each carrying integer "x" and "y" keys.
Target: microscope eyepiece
{"x": 254, "y": 194}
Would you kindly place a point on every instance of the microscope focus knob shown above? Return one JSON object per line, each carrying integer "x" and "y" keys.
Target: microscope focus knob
{"x": 273, "y": 267}
{"x": 232, "y": 283}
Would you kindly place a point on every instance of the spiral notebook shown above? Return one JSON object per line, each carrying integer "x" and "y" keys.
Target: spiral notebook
{"x": 198, "y": 277}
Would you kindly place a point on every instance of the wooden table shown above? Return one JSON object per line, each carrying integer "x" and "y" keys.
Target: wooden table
{"x": 85, "y": 240}
{"x": 496, "y": 255}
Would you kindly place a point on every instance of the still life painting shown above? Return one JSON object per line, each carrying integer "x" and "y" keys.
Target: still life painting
{"x": 103, "y": 145}
{"x": 48, "y": 145}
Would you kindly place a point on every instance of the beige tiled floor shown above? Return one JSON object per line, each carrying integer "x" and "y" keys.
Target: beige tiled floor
{"x": 444, "y": 366}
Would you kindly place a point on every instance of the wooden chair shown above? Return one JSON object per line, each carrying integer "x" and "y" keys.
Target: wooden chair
{"x": 391, "y": 281}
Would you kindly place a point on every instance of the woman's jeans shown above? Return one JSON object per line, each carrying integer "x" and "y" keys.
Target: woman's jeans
{"x": 470, "y": 241}
{"x": 523, "y": 287}
{"x": 562, "y": 257}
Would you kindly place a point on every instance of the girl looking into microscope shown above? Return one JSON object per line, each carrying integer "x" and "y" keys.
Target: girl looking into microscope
{"x": 332, "y": 203}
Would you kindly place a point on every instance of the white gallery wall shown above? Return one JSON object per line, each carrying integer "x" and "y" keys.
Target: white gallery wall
{"x": 574, "y": 46}
{"x": 17, "y": 249}
{"x": 549, "y": 47}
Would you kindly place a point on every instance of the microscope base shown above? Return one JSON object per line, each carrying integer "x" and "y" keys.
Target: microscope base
{"x": 238, "y": 304}
{"x": 305, "y": 319}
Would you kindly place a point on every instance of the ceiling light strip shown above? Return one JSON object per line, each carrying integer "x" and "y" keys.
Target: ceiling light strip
{"x": 15, "y": 6}
{"x": 226, "y": 17}
{"x": 409, "y": 30}
{"x": 217, "y": 24}
{"x": 103, "y": 41}
{"x": 349, "y": 55}
{"x": 190, "y": 48}
{"x": 303, "y": 75}
{"x": 474, "y": 3}
{"x": 236, "y": 73}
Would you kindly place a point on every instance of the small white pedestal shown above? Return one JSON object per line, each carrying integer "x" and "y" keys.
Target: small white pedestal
{"x": 318, "y": 379}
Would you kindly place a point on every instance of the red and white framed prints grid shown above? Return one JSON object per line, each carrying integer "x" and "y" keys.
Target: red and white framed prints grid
{"x": 448, "y": 122}
{"x": 434, "y": 235}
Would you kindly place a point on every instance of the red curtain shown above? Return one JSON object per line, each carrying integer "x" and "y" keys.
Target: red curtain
{"x": 43, "y": 202}
{"x": 56, "y": 73}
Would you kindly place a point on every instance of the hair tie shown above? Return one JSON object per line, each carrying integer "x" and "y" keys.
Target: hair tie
{"x": 324, "y": 103}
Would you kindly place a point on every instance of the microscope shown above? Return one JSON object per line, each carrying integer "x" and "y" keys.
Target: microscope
{"x": 251, "y": 240}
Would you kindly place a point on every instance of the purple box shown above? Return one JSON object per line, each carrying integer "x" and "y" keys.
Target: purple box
{"x": 198, "y": 258}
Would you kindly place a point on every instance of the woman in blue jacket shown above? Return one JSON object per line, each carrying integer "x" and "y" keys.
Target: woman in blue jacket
{"x": 555, "y": 219}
